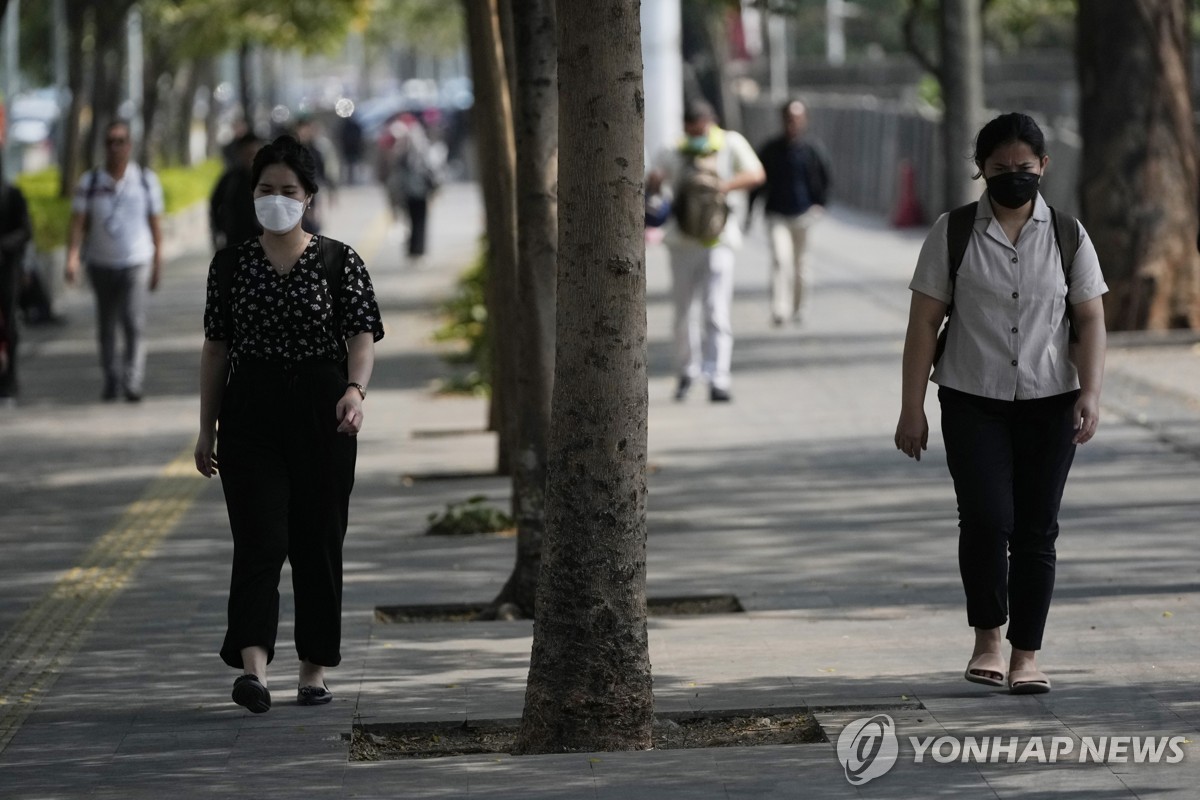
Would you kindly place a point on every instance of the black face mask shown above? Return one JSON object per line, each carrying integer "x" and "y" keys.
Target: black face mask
{"x": 1013, "y": 189}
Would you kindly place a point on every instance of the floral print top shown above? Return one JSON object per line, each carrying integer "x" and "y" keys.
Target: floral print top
{"x": 290, "y": 318}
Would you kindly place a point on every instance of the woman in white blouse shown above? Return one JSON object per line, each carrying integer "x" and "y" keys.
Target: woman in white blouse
{"x": 1017, "y": 394}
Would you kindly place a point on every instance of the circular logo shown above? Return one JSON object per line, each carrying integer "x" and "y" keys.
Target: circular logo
{"x": 868, "y": 748}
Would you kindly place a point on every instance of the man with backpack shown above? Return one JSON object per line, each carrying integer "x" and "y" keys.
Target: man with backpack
{"x": 707, "y": 173}
{"x": 116, "y": 232}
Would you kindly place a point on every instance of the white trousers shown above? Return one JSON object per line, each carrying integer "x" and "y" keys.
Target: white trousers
{"x": 789, "y": 262}
{"x": 702, "y": 289}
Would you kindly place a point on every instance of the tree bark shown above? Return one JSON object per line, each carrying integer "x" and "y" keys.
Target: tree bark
{"x": 536, "y": 117}
{"x": 69, "y": 166}
{"x": 106, "y": 77}
{"x": 493, "y": 130}
{"x": 246, "y": 83}
{"x": 589, "y": 683}
{"x": 1138, "y": 193}
{"x": 961, "y": 76}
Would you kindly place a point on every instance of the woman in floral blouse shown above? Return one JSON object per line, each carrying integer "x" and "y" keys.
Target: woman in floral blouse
{"x": 290, "y": 334}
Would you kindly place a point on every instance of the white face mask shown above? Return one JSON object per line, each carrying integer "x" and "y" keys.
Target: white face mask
{"x": 278, "y": 214}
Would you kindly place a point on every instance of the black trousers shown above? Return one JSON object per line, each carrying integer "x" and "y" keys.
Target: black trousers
{"x": 287, "y": 475}
{"x": 1009, "y": 461}
{"x": 10, "y": 282}
{"x": 418, "y": 214}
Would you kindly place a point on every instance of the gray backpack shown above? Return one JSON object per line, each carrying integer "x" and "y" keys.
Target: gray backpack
{"x": 699, "y": 206}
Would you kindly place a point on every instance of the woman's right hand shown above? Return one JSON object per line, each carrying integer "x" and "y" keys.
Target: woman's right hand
{"x": 912, "y": 432}
{"x": 206, "y": 459}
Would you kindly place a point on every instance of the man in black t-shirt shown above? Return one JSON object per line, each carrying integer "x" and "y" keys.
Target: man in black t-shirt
{"x": 796, "y": 189}
{"x": 15, "y": 233}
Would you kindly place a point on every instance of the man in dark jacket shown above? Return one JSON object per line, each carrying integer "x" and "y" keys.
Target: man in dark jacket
{"x": 15, "y": 233}
{"x": 231, "y": 208}
{"x": 796, "y": 189}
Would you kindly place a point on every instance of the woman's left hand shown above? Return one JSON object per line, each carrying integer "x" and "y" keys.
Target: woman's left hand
{"x": 1086, "y": 417}
{"x": 350, "y": 412}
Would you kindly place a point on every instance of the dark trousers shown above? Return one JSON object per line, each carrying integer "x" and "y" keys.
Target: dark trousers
{"x": 287, "y": 475}
{"x": 1009, "y": 461}
{"x": 10, "y": 281}
{"x": 418, "y": 213}
{"x": 122, "y": 294}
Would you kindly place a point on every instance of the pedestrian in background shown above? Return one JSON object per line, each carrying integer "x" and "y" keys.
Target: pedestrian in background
{"x": 115, "y": 230}
{"x": 16, "y": 230}
{"x": 1016, "y": 395}
{"x": 414, "y": 175}
{"x": 290, "y": 326}
{"x": 706, "y": 177}
{"x": 310, "y": 134}
{"x": 797, "y": 188}
{"x": 231, "y": 207}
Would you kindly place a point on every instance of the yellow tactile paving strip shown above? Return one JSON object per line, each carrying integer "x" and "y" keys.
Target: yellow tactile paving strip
{"x": 45, "y": 638}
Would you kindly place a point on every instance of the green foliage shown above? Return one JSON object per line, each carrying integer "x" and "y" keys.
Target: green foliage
{"x": 427, "y": 27}
{"x": 51, "y": 214}
{"x": 469, "y": 517}
{"x": 929, "y": 89}
{"x": 466, "y": 323}
{"x": 1015, "y": 24}
{"x": 193, "y": 28}
{"x": 185, "y": 186}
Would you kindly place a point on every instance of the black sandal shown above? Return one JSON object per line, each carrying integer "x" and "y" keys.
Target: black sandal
{"x": 249, "y": 692}
{"x": 313, "y": 695}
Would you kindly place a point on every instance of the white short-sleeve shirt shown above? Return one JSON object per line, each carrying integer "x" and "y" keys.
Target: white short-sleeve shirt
{"x": 119, "y": 227}
{"x": 735, "y": 155}
{"x": 1008, "y": 335}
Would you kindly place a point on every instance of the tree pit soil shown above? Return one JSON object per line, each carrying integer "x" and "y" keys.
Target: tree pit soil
{"x": 671, "y": 732}
{"x": 475, "y": 612}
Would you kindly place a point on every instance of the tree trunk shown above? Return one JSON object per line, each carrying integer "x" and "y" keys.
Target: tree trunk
{"x": 589, "y": 683}
{"x": 207, "y": 68}
{"x": 1138, "y": 193}
{"x": 493, "y": 129}
{"x": 180, "y": 144}
{"x": 106, "y": 77}
{"x": 155, "y": 65}
{"x": 961, "y": 76}
{"x": 246, "y": 83}
{"x": 716, "y": 24}
{"x": 69, "y": 166}
{"x": 536, "y": 115}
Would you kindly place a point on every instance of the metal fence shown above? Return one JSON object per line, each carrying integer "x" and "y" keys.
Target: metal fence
{"x": 870, "y": 140}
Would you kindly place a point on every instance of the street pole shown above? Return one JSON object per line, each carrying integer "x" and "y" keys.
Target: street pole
{"x": 962, "y": 95}
{"x": 662, "y": 55}
{"x": 61, "y": 78}
{"x": 835, "y": 32}
{"x": 777, "y": 51}
{"x": 136, "y": 61}
{"x": 12, "y": 33}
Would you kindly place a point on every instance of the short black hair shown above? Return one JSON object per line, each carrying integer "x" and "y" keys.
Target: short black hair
{"x": 249, "y": 138}
{"x": 289, "y": 152}
{"x": 697, "y": 110}
{"x": 1005, "y": 129}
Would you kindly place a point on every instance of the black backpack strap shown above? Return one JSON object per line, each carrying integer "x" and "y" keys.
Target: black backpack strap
{"x": 958, "y": 236}
{"x": 1066, "y": 236}
{"x": 333, "y": 262}
{"x": 959, "y": 228}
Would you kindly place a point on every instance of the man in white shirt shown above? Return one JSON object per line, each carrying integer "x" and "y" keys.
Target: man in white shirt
{"x": 115, "y": 222}
{"x": 702, "y": 265}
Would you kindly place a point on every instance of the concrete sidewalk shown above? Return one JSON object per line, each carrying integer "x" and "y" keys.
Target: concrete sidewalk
{"x": 842, "y": 551}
